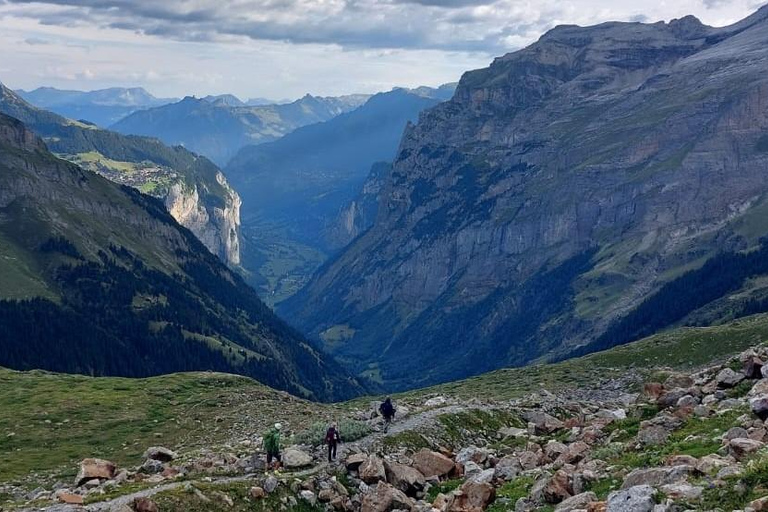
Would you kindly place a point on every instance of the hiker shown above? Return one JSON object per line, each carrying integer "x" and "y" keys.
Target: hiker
{"x": 272, "y": 446}
{"x": 332, "y": 439}
{"x": 387, "y": 410}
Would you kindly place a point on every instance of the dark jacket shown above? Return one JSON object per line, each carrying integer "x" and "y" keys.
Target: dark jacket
{"x": 332, "y": 436}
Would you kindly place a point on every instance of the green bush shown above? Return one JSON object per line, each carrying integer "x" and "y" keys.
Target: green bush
{"x": 350, "y": 430}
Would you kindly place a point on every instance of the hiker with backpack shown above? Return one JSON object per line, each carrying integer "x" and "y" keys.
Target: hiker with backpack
{"x": 332, "y": 439}
{"x": 387, "y": 411}
{"x": 272, "y": 447}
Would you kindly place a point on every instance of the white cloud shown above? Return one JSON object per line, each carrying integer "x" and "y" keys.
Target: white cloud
{"x": 284, "y": 48}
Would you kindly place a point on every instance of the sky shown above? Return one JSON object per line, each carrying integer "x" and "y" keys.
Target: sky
{"x": 282, "y": 49}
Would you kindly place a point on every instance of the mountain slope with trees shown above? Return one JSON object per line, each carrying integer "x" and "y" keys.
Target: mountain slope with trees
{"x": 194, "y": 190}
{"x": 97, "y": 278}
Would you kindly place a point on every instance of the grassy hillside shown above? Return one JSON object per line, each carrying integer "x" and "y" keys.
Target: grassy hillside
{"x": 51, "y": 421}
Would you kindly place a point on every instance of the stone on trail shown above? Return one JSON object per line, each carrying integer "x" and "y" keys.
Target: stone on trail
{"x": 257, "y": 493}
{"x": 404, "y": 478}
{"x": 270, "y": 484}
{"x": 95, "y": 468}
{"x": 638, "y": 498}
{"x": 294, "y": 459}
{"x": 160, "y": 453}
{"x": 372, "y": 470}
{"x": 152, "y": 467}
{"x": 508, "y": 468}
{"x": 354, "y": 461}
{"x": 429, "y": 463}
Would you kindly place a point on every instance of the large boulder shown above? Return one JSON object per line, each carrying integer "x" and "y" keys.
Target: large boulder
{"x": 742, "y": 448}
{"x": 728, "y": 378}
{"x": 294, "y": 458}
{"x": 91, "y": 469}
{"x": 355, "y": 460}
{"x": 553, "y": 489}
{"x": 372, "y": 470}
{"x": 759, "y": 405}
{"x": 507, "y": 468}
{"x": 384, "y": 498}
{"x": 543, "y": 423}
{"x": 160, "y": 453}
{"x": 638, "y": 498}
{"x": 472, "y": 497}
{"x": 657, "y": 476}
{"x": 759, "y": 389}
{"x": 431, "y": 464}
{"x": 404, "y": 478}
{"x": 753, "y": 367}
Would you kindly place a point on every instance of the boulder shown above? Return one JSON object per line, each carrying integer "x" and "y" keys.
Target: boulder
{"x": 578, "y": 502}
{"x": 760, "y": 388}
{"x": 741, "y": 448}
{"x": 270, "y": 484}
{"x": 553, "y": 489}
{"x": 753, "y": 367}
{"x": 372, "y": 470}
{"x": 507, "y": 468}
{"x": 436, "y": 401}
{"x": 404, "y": 478}
{"x": 473, "y": 496}
{"x": 657, "y": 476}
{"x": 553, "y": 449}
{"x": 711, "y": 464}
{"x": 530, "y": 460}
{"x": 95, "y": 468}
{"x": 653, "y": 435}
{"x": 653, "y": 390}
{"x": 575, "y": 453}
{"x": 431, "y": 464}
{"x": 160, "y": 453}
{"x": 152, "y": 467}
{"x": 295, "y": 459}
{"x": 384, "y": 498}
{"x": 728, "y": 378}
{"x": 735, "y": 433}
{"x": 308, "y": 496}
{"x": 257, "y": 493}
{"x": 473, "y": 454}
{"x": 638, "y": 498}
{"x": 354, "y": 461}
{"x": 144, "y": 505}
{"x": 759, "y": 405}
{"x": 678, "y": 380}
{"x": 543, "y": 423}
{"x": 760, "y": 504}
{"x": 682, "y": 491}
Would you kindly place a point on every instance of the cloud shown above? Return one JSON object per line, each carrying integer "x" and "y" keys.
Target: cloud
{"x": 289, "y": 47}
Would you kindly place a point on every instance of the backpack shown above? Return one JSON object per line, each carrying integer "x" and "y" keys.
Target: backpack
{"x": 272, "y": 441}
{"x": 387, "y": 410}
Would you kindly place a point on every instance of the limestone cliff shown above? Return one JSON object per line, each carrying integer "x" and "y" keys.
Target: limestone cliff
{"x": 216, "y": 225}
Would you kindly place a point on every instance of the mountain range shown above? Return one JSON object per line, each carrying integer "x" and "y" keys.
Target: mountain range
{"x": 97, "y": 278}
{"x": 295, "y": 188}
{"x": 102, "y": 107}
{"x": 194, "y": 190}
{"x": 604, "y": 183}
{"x": 217, "y": 127}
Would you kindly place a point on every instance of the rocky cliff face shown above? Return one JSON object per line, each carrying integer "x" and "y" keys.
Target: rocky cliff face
{"x": 217, "y": 227}
{"x": 557, "y": 190}
{"x": 193, "y": 188}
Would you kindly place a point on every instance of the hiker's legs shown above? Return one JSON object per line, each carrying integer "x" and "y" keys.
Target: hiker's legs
{"x": 330, "y": 452}
{"x": 387, "y": 421}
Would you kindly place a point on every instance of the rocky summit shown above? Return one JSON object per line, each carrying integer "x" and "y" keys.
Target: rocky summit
{"x": 658, "y": 441}
{"x": 558, "y": 203}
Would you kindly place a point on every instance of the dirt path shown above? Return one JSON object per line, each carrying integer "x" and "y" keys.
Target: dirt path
{"x": 411, "y": 422}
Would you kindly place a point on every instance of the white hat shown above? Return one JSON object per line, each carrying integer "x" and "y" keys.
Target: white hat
{"x": 278, "y": 426}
